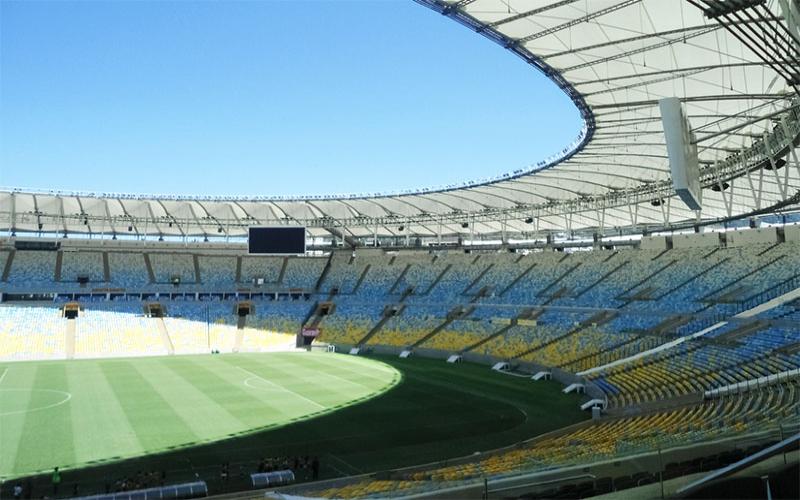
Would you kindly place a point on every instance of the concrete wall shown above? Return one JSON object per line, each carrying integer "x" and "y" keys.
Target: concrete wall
{"x": 792, "y": 233}
{"x": 653, "y": 243}
{"x": 696, "y": 240}
{"x": 565, "y": 378}
{"x": 764, "y": 235}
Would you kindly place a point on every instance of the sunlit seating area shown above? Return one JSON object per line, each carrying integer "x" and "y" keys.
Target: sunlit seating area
{"x": 196, "y": 337}
{"x": 116, "y": 334}
{"x": 34, "y": 332}
{"x": 254, "y": 340}
{"x": 351, "y": 321}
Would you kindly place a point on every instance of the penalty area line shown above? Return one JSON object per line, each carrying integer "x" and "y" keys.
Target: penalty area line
{"x": 285, "y": 389}
{"x": 3, "y": 375}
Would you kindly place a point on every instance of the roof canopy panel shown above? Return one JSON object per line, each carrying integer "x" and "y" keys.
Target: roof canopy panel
{"x": 615, "y": 59}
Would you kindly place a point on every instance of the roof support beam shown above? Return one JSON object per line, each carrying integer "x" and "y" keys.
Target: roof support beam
{"x": 532, "y": 12}
{"x": 579, "y": 20}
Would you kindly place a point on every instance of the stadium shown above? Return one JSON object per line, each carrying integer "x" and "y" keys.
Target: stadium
{"x": 619, "y": 320}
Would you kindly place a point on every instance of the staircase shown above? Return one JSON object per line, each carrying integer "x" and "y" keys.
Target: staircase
{"x": 317, "y": 314}
{"x": 598, "y": 356}
{"x": 496, "y": 334}
{"x": 385, "y": 317}
{"x": 709, "y": 297}
{"x": 692, "y": 278}
{"x": 162, "y": 328}
{"x": 477, "y": 279}
{"x": 438, "y": 279}
{"x": 458, "y": 312}
{"x": 361, "y": 278}
{"x": 399, "y": 278}
{"x": 624, "y": 294}
{"x": 597, "y": 319}
{"x": 239, "y": 340}
{"x": 106, "y": 268}
{"x": 283, "y": 270}
{"x": 322, "y": 276}
{"x": 150, "y": 274}
{"x": 196, "y": 263}
{"x": 483, "y": 292}
{"x": 69, "y": 339}
{"x": 516, "y": 280}
{"x": 59, "y": 263}
{"x": 602, "y": 278}
{"x": 543, "y": 291}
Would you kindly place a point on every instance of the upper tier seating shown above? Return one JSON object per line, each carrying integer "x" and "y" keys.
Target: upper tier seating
{"x": 303, "y": 272}
{"x": 128, "y": 269}
{"x": 32, "y": 268}
{"x": 266, "y": 268}
{"x": 217, "y": 271}
{"x": 76, "y": 265}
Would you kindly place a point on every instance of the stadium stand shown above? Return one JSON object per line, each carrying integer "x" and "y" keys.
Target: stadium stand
{"x": 619, "y": 437}
{"x": 265, "y": 268}
{"x": 634, "y": 333}
{"x": 88, "y": 265}
{"x": 128, "y": 269}
{"x": 31, "y": 333}
{"x": 30, "y": 268}
{"x": 116, "y": 334}
{"x": 217, "y": 272}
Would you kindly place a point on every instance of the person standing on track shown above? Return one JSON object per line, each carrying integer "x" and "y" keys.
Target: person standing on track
{"x": 56, "y": 480}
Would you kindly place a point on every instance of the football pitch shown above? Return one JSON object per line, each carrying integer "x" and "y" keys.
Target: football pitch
{"x": 185, "y": 415}
{"x": 81, "y": 412}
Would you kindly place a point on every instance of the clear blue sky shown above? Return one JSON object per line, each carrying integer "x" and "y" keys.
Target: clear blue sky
{"x": 267, "y": 97}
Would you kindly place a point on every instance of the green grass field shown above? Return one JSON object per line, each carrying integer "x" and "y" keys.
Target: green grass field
{"x": 70, "y": 413}
{"x": 124, "y": 408}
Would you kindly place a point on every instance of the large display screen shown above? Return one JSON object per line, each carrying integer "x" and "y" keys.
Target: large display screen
{"x": 276, "y": 240}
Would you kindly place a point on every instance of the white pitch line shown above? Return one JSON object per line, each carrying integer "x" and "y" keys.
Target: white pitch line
{"x": 3, "y": 375}
{"x": 348, "y": 381}
{"x": 283, "y": 388}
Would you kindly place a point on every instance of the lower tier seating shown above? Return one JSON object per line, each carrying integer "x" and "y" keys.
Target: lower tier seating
{"x": 736, "y": 414}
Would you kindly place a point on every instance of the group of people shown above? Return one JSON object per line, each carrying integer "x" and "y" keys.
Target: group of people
{"x": 140, "y": 480}
{"x": 304, "y": 467}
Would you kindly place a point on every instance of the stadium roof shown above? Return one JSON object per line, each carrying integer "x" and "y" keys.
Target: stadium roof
{"x": 734, "y": 64}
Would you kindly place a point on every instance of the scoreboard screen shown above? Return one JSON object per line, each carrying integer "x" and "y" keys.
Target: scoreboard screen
{"x": 276, "y": 240}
